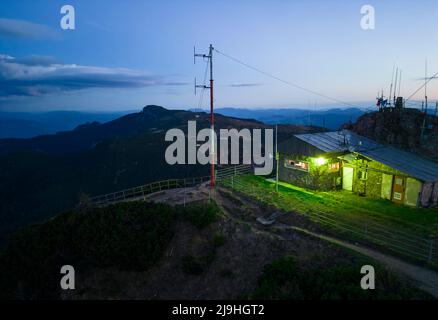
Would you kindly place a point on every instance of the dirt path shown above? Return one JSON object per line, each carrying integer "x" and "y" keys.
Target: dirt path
{"x": 423, "y": 278}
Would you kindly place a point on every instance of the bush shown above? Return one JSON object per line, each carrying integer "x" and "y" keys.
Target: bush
{"x": 286, "y": 279}
{"x": 130, "y": 236}
{"x": 227, "y": 273}
{"x": 218, "y": 239}
{"x": 201, "y": 215}
{"x": 192, "y": 265}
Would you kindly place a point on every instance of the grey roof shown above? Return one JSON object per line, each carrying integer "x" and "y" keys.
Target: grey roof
{"x": 348, "y": 141}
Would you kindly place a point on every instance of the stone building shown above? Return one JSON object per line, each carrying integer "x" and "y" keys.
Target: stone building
{"x": 345, "y": 160}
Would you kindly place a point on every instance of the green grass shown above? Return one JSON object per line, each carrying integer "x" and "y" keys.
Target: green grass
{"x": 421, "y": 221}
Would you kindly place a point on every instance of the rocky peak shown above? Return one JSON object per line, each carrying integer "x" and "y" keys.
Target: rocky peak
{"x": 401, "y": 128}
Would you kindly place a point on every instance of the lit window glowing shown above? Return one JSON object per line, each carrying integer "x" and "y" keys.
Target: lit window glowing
{"x": 320, "y": 161}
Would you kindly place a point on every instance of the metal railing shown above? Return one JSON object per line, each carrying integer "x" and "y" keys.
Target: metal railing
{"x": 144, "y": 190}
{"x": 224, "y": 172}
{"x": 400, "y": 242}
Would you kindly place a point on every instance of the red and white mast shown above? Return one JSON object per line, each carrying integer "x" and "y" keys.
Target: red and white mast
{"x": 212, "y": 135}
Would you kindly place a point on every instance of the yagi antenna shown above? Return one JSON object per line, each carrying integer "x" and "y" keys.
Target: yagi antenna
{"x": 194, "y": 55}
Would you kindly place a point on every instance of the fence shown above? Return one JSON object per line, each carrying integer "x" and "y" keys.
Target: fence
{"x": 224, "y": 172}
{"x": 397, "y": 241}
{"x": 142, "y": 191}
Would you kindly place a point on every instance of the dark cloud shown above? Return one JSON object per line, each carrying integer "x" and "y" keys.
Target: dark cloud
{"x": 12, "y": 28}
{"x": 36, "y": 76}
{"x": 242, "y": 85}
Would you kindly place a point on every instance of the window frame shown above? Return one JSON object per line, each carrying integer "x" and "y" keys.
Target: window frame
{"x": 294, "y": 167}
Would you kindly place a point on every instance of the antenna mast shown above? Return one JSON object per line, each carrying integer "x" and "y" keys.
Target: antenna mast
{"x": 395, "y": 85}
{"x": 390, "y": 90}
{"x": 399, "y": 82}
{"x": 209, "y": 56}
{"x": 425, "y": 87}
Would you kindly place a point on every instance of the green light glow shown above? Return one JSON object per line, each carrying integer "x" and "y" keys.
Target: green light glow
{"x": 320, "y": 161}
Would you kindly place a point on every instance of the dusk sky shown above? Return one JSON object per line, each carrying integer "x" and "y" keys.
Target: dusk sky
{"x": 126, "y": 54}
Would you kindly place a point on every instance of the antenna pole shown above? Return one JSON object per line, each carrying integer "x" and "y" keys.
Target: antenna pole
{"x": 209, "y": 56}
{"x": 395, "y": 84}
{"x": 277, "y": 157}
{"x": 213, "y": 152}
{"x": 390, "y": 90}
{"x": 425, "y": 87}
{"x": 399, "y": 83}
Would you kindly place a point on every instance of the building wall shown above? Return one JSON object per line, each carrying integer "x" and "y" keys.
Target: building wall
{"x": 429, "y": 194}
{"x": 368, "y": 177}
{"x": 435, "y": 195}
{"x": 318, "y": 177}
{"x": 378, "y": 182}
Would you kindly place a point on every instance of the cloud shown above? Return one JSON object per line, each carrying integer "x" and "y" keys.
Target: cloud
{"x": 241, "y": 85}
{"x": 12, "y": 28}
{"x": 40, "y": 75}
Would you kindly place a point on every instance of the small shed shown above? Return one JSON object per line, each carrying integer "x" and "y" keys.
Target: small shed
{"x": 346, "y": 160}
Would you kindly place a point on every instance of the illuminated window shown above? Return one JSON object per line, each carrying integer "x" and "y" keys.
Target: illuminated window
{"x": 334, "y": 167}
{"x": 362, "y": 175}
{"x": 297, "y": 165}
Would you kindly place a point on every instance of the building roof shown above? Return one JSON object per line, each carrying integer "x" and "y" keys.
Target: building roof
{"x": 348, "y": 141}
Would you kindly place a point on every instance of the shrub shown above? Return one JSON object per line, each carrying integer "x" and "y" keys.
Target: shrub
{"x": 192, "y": 265}
{"x": 131, "y": 236}
{"x": 227, "y": 273}
{"x": 218, "y": 239}
{"x": 201, "y": 215}
{"x": 286, "y": 279}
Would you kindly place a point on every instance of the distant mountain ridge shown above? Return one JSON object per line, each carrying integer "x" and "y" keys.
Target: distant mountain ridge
{"x": 331, "y": 118}
{"x": 32, "y": 124}
{"x": 86, "y": 136}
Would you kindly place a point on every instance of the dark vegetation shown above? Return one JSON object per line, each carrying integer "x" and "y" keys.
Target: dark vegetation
{"x": 131, "y": 240}
{"x": 199, "y": 215}
{"x": 126, "y": 236}
{"x": 286, "y": 278}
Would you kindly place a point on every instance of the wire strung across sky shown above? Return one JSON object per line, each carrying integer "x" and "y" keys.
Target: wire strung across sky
{"x": 287, "y": 82}
{"x": 422, "y": 86}
{"x": 313, "y": 91}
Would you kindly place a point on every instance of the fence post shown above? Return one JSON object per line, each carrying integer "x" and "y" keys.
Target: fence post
{"x": 366, "y": 229}
{"x": 429, "y": 260}
{"x": 232, "y": 182}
